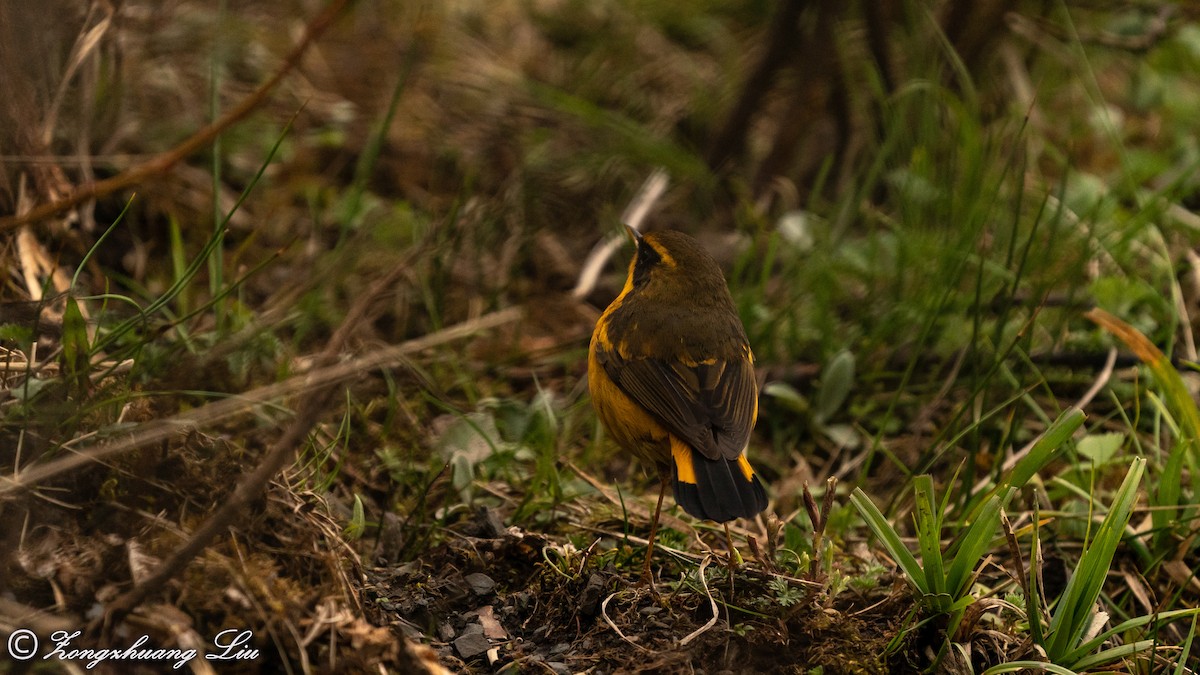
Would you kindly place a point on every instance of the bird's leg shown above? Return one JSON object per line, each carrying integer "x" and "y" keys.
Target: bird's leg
{"x": 664, "y": 481}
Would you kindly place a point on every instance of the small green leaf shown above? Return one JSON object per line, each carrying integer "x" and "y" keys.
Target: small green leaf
{"x": 76, "y": 350}
{"x": 358, "y": 521}
{"x": 473, "y": 435}
{"x": 30, "y": 388}
{"x": 787, "y": 395}
{"x": 796, "y": 228}
{"x": 463, "y": 471}
{"x": 843, "y": 436}
{"x": 1100, "y": 448}
{"x": 914, "y": 187}
{"x": 18, "y": 333}
{"x": 836, "y": 382}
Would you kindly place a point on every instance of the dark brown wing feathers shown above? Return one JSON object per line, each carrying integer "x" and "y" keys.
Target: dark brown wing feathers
{"x": 710, "y": 406}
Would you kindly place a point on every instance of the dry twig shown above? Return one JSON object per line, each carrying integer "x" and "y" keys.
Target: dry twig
{"x": 711, "y": 622}
{"x": 161, "y": 430}
{"x": 651, "y": 191}
{"x": 604, "y": 615}
{"x": 310, "y": 410}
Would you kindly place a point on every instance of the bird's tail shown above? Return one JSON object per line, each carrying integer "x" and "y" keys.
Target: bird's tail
{"x": 716, "y": 489}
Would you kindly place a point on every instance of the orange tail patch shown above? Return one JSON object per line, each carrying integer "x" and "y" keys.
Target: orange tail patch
{"x": 715, "y": 489}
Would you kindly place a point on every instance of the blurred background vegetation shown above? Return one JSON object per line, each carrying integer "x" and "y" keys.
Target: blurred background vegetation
{"x": 916, "y": 204}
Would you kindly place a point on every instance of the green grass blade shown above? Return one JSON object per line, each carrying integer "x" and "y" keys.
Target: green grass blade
{"x": 76, "y": 351}
{"x": 100, "y": 242}
{"x": 1074, "y": 609}
{"x": 1115, "y": 654}
{"x": 1045, "y": 448}
{"x": 185, "y": 273}
{"x": 1179, "y": 402}
{"x": 928, "y": 522}
{"x": 1136, "y": 623}
{"x": 216, "y": 261}
{"x": 364, "y": 168}
{"x": 975, "y": 542}
{"x": 634, "y": 140}
{"x": 1015, "y": 666}
{"x": 1033, "y": 603}
{"x": 890, "y": 539}
{"x": 1186, "y": 649}
{"x": 1166, "y": 496}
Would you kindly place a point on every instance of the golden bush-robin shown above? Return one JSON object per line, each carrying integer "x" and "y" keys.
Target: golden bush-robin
{"x": 672, "y": 380}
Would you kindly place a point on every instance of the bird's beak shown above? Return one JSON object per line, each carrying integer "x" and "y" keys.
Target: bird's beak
{"x": 634, "y": 235}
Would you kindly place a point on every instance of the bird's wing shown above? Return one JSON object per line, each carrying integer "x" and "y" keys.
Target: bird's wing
{"x": 710, "y": 405}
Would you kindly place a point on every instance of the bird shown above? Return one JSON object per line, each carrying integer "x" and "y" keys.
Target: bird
{"x": 671, "y": 377}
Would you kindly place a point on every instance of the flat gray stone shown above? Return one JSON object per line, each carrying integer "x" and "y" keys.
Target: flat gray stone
{"x": 481, "y": 583}
{"x": 470, "y": 645}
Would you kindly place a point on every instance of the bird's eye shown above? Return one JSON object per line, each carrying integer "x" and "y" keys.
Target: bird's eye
{"x": 647, "y": 254}
{"x": 647, "y": 259}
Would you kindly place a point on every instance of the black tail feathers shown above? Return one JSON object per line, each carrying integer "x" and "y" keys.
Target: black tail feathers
{"x": 721, "y": 492}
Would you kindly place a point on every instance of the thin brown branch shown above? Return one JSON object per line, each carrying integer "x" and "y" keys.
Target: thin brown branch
{"x": 312, "y": 407}
{"x": 315, "y": 403}
{"x": 163, "y": 162}
{"x": 1014, "y": 550}
{"x": 164, "y": 429}
{"x": 253, "y": 485}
